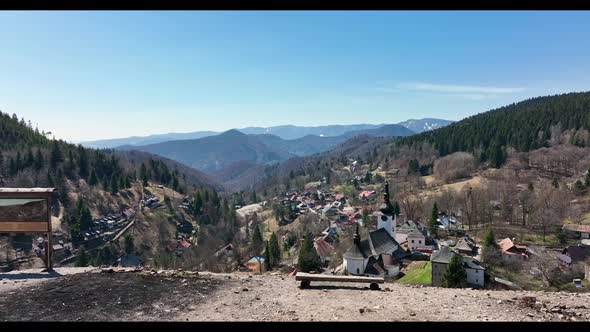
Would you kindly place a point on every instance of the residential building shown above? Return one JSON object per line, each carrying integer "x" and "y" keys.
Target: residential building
{"x": 256, "y": 264}
{"x": 473, "y": 269}
{"x": 582, "y": 231}
{"x": 466, "y": 246}
{"x": 511, "y": 251}
{"x": 579, "y": 253}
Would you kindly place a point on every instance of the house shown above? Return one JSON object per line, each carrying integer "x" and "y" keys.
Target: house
{"x": 583, "y": 231}
{"x": 511, "y": 251}
{"x": 473, "y": 269}
{"x": 579, "y": 253}
{"x": 415, "y": 240}
{"x": 466, "y": 246}
{"x": 380, "y": 253}
{"x": 256, "y": 264}
{"x": 129, "y": 213}
{"x": 367, "y": 195}
{"x": 448, "y": 222}
{"x": 228, "y": 250}
{"x": 323, "y": 249}
{"x": 401, "y": 234}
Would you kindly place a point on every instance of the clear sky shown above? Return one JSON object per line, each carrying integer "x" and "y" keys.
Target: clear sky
{"x": 95, "y": 75}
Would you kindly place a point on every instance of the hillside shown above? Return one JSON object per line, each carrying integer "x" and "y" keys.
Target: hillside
{"x": 525, "y": 126}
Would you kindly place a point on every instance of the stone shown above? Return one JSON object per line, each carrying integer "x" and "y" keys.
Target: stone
{"x": 499, "y": 301}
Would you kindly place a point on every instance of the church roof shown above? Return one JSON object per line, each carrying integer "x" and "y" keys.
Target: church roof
{"x": 382, "y": 241}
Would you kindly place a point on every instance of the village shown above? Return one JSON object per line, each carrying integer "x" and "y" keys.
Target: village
{"x": 352, "y": 237}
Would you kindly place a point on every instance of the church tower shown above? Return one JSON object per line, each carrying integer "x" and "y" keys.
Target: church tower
{"x": 386, "y": 219}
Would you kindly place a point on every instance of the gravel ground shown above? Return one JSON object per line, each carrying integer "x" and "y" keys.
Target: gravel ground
{"x": 181, "y": 296}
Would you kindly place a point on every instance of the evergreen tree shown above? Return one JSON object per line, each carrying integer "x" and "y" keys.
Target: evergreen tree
{"x": 129, "y": 247}
{"x": 83, "y": 163}
{"x": 490, "y": 250}
{"x": 433, "y": 225}
{"x": 489, "y": 240}
{"x": 50, "y": 180}
{"x": 396, "y": 208}
{"x": 122, "y": 182}
{"x": 56, "y": 155}
{"x": 267, "y": 257}
{"x": 275, "y": 250}
{"x": 308, "y": 257}
{"x": 114, "y": 184}
{"x": 93, "y": 179}
{"x": 256, "y": 241}
{"x": 82, "y": 259}
{"x": 555, "y": 183}
{"x": 413, "y": 166}
{"x": 197, "y": 205}
{"x": 29, "y": 159}
{"x": 455, "y": 274}
{"x": 39, "y": 160}
{"x": 587, "y": 180}
{"x": 143, "y": 175}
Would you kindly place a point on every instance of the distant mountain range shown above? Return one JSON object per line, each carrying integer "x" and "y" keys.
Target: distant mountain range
{"x": 287, "y": 132}
{"x": 212, "y": 154}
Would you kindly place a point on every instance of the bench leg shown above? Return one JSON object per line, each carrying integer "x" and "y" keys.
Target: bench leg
{"x": 374, "y": 286}
{"x": 305, "y": 284}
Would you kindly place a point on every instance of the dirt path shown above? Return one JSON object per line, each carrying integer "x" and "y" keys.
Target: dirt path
{"x": 149, "y": 296}
{"x": 277, "y": 298}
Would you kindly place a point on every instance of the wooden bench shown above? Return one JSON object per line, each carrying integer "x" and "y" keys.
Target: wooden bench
{"x": 307, "y": 278}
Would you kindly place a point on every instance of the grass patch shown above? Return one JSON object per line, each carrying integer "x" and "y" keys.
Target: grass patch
{"x": 418, "y": 276}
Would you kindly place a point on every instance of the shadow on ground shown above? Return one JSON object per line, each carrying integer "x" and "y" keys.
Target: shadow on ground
{"x": 28, "y": 275}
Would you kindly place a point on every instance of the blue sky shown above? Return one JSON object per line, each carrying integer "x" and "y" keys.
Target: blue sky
{"x": 94, "y": 75}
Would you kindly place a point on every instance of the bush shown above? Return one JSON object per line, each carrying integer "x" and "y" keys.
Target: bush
{"x": 454, "y": 166}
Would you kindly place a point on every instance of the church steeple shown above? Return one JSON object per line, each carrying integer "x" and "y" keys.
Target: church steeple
{"x": 386, "y": 208}
{"x": 357, "y": 237}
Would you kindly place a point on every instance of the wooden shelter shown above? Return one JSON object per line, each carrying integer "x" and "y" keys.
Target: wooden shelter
{"x": 27, "y": 211}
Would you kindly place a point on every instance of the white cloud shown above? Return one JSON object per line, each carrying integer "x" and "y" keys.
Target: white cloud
{"x": 471, "y": 92}
{"x": 464, "y": 89}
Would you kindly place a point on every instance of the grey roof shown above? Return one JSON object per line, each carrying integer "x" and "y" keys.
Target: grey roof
{"x": 472, "y": 263}
{"x": 443, "y": 255}
{"x": 382, "y": 241}
{"x": 466, "y": 244}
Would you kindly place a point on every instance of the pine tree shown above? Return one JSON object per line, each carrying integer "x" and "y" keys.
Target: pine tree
{"x": 267, "y": 257}
{"x": 489, "y": 240}
{"x": 129, "y": 247}
{"x": 50, "y": 180}
{"x": 256, "y": 240}
{"x": 455, "y": 274}
{"x": 490, "y": 253}
{"x": 143, "y": 175}
{"x": 555, "y": 183}
{"x": 308, "y": 257}
{"x": 93, "y": 181}
{"x": 587, "y": 180}
{"x": 433, "y": 225}
{"x": 114, "y": 184}
{"x": 82, "y": 259}
{"x": 56, "y": 155}
{"x": 83, "y": 163}
{"x": 39, "y": 160}
{"x": 396, "y": 208}
{"x": 197, "y": 205}
{"x": 275, "y": 250}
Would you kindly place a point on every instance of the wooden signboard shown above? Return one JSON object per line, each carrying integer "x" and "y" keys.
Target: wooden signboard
{"x": 27, "y": 210}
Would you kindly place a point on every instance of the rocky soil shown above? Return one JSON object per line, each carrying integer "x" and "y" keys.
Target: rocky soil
{"x": 173, "y": 295}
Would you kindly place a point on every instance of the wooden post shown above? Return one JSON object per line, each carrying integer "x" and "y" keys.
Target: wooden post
{"x": 49, "y": 242}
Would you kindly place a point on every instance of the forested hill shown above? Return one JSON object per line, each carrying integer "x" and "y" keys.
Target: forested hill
{"x": 525, "y": 126}
{"x": 29, "y": 159}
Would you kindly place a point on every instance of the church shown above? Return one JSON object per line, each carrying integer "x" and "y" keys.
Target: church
{"x": 379, "y": 254}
